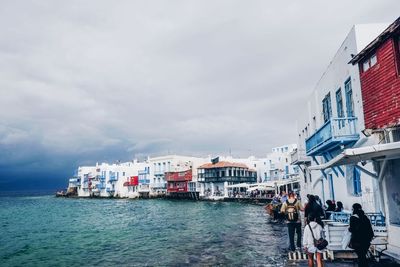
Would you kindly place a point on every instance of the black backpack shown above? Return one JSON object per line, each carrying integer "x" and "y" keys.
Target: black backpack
{"x": 292, "y": 214}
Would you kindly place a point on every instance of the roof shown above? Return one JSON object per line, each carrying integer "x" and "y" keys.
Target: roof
{"x": 355, "y": 155}
{"x": 223, "y": 164}
{"x": 386, "y": 34}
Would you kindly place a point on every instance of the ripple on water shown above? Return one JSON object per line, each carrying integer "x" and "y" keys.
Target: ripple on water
{"x": 48, "y": 231}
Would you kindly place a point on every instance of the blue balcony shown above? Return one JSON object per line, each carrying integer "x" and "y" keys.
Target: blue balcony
{"x": 100, "y": 186}
{"x": 113, "y": 178}
{"x": 110, "y": 190}
{"x": 335, "y": 132}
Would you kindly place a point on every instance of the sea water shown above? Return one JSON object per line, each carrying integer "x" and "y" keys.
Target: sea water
{"x": 49, "y": 231}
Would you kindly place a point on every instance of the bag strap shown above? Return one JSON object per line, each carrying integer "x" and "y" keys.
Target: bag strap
{"x": 312, "y": 233}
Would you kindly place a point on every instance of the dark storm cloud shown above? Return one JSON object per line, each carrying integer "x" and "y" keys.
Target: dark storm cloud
{"x": 87, "y": 81}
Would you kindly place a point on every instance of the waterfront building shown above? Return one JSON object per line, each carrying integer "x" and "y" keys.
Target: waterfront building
{"x": 332, "y": 122}
{"x": 171, "y": 163}
{"x": 162, "y": 175}
{"x": 144, "y": 182}
{"x": 280, "y": 167}
{"x": 215, "y": 177}
{"x": 379, "y": 68}
{"x": 178, "y": 182}
{"x": 108, "y": 180}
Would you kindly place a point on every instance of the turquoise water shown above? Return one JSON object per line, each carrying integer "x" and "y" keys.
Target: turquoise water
{"x": 48, "y": 231}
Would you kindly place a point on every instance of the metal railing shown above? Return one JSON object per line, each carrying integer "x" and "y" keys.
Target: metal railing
{"x": 377, "y": 219}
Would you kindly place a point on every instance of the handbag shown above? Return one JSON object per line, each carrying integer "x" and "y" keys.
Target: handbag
{"x": 321, "y": 243}
{"x": 346, "y": 239}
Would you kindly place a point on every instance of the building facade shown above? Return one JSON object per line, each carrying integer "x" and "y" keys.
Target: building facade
{"x": 379, "y": 68}
{"x": 332, "y": 122}
{"x": 214, "y": 177}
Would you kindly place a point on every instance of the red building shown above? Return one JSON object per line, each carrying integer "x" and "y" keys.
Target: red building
{"x": 177, "y": 182}
{"x": 379, "y": 65}
{"x": 132, "y": 181}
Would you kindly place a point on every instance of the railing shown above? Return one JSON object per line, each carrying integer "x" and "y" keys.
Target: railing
{"x": 335, "y": 131}
{"x": 299, "y": 156}
{"x": 113, "y": 178}
{"x": 158, "y": 172}
{"x": 240, "y": 179}
{"x": 100, "y": 186}
{"x": 110, "y": 190}
{"x": 158, "y": 185}
{"x": 144, "y": 181}
{"x": 74, "y": 180}
{"x": 377, "y": 219}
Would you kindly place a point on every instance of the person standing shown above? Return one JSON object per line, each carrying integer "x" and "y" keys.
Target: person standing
{"x": 314, "y": 208}
{"x": 291, "y": 208}
{"x": 312, "y": 231}
{"x": 361, "y": 234}
{"x": 339, "y": 206}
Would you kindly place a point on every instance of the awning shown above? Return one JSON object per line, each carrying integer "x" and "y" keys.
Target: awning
{"x": 261, "y": 188}
{"x": 354, "y": 155}
{"x": 242, "y": 185}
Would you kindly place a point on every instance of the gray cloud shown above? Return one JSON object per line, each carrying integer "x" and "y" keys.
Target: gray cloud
{"x": 100, "y": 80}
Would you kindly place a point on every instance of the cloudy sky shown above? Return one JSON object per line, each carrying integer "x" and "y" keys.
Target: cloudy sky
{"x": 87, "y": 81}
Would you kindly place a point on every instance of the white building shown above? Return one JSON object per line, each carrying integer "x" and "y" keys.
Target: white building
{"x": 108, "y": 180}
{"x": 145, "y": 179}
{"x": 171, "y": 163}
{"x": 333, "y": 120}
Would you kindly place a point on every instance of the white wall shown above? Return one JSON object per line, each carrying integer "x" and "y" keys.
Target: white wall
{"x": 337, "y": 72}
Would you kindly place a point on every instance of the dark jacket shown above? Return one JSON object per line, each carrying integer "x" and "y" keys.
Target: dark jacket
{"x": 361, "y": 231}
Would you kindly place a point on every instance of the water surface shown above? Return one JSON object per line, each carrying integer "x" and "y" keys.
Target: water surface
{"x": 48, "y": 231}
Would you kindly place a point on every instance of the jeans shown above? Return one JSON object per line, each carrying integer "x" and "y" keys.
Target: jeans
{"x": 292, "y": 228}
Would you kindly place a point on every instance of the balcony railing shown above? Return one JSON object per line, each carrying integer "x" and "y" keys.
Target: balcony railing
{"x": 159, "y": 185}
{"x": 113, "y": 178}
{"x": 238, "y": 179}
{"x": 335, "y": 132}
{"x": 110, "y": 190}
{"x": 299, "y": 156}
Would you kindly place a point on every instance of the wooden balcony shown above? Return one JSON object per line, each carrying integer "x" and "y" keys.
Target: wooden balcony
{"x": 335, "y": 132}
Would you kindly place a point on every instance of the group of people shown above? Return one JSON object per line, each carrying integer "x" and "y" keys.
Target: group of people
{"x": 360, "y": 227}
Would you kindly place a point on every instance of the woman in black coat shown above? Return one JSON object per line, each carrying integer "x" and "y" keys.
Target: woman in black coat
{"x": 361, "y": 234}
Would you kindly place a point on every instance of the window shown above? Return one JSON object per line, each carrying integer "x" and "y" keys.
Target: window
{"x": 357, "y": 182}
{"x": 339, "y": 103}
{"x": 353, "y": 180}
{"x": 349, "y": 98}
{"x": 327, "y": 107}
{"x": 368, "y": 63}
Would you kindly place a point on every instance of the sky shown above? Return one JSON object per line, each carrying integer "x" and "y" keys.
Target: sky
{"x": 98, "y": 81}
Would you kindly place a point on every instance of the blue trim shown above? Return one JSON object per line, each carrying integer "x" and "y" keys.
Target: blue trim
{"x": 357, "y": 182}
{"x": 349, "y": 97}
{"x": 331, "y": 187}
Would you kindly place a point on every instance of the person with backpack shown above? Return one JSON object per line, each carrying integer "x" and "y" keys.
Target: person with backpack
{"x": 291, "y": 208}
{"x": 361, "y": 234}
{"x": 313, "y": 232}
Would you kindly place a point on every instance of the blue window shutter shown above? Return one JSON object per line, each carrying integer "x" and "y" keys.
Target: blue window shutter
{"x": 349, "y": 98}
{"x": 357, "y": 182}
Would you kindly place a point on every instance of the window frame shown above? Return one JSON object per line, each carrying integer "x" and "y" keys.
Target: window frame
{"x": 349, "y": 99}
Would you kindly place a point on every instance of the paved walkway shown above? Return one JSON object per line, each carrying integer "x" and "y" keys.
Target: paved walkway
{"x": 343, "y": 264}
